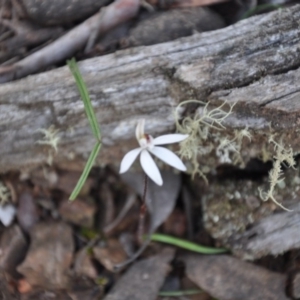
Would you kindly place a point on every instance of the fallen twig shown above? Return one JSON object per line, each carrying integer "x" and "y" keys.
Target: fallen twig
{"x": 182, "y": 3}
{"x": 61, "y": 49}
{"x": 25, "y": 35}
{"x": 128, "y": 204}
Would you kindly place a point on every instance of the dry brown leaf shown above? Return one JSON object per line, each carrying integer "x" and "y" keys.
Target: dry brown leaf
{"x": 111, "y": 254}
{"x": 27, "y": 212}
{"x": 144, "y": 279}
{"x": 160, "y": 200}
{"x": 228, "y": 278}
{"x": 79, "y": 212}
{"x": 13, "y": 246}
{"x": 49, "y": 256}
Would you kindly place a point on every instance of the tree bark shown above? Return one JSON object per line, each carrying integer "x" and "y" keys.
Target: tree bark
{"x": 253, "y": 63}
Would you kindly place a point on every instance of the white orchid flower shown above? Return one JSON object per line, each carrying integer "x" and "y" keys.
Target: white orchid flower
{"x": 150, "y": 144}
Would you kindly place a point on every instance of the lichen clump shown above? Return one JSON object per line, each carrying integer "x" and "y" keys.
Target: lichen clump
{"x": 283, "y": 156}
{"x": 208, "y": 136}
{"x": 4, "y": 194}
{"x": 51, "y": 139}
{"x": 204, "y": 130}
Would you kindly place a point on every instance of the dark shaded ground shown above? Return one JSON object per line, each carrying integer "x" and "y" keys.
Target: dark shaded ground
{"x": 70, "y": 249}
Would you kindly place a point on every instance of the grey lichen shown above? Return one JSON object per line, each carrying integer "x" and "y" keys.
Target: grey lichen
{"x": 209, "y": 138}
{"x": 283, "y": 155}
{"x": 51, "y": 139}
{"x": 200, "y": 128}
{"x": 4, "y": 194}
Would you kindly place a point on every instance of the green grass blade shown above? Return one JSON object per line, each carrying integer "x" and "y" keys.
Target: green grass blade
{"x": 186, "y": 244}
{"x": 179, "y": 293}
{"x": 86, "y": 171}
{"x": 85, "y": 98}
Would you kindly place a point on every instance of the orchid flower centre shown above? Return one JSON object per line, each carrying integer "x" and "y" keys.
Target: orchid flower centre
{"x": 146, "y": 142}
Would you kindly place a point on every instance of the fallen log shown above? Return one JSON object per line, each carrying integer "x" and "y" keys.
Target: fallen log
{"x": 235, "y": 215}
{"x": 253, "y": 63}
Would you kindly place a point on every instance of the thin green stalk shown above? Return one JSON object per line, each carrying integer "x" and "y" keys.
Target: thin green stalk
{"x": 186, "y": 244}
{"x": 179, "y": 293}
{"x": 260, "y": 9}
{"x": 93, "y": 124}
{"x": 86, "y": 171}
{"x": 85, "y": 98}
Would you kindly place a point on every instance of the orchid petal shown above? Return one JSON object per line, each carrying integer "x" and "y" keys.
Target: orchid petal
{"x": 7, "y": 214}
{"x": 169, "y": 139}
{"x": 168, "y": 157}
{"x": 128, "y": 159}
{"x": 150, "y": 167}
{"x": 139, "y": 131}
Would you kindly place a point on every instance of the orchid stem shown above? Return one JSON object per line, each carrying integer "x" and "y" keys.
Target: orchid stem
{"x": 145, "y": 189}
{"x": 141, "y": 227}
{"x": 143, "y": 210}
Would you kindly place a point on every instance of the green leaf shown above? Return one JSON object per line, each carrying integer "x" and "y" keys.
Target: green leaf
{"x": 179, "y": 293}
{"x": 186, "y": 244}
{"x": 85, "y": 97}
{"x": 86, "y": 171}
{"x": 260, "y": 9}
{"x": 88, "y": 233}
{"x": 93, "y": 124}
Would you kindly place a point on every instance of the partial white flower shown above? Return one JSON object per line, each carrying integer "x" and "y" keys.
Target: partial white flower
{"x": 7, "y": 214}
{"x": 149, "y": 144}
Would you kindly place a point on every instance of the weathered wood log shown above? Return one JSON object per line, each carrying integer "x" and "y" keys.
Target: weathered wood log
{"x": 273, "y": 235}
{"x": 253, "y": 63}
{"x": 234, "y": 214}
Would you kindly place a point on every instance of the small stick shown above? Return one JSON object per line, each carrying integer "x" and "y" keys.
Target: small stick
{"x": 129, "y": 202}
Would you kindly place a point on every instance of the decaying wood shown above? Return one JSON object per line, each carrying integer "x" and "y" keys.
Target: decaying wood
{"x": 236, "y": 216}
{"x": 273, "y": 235}
{"x": 253, "y": 63}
